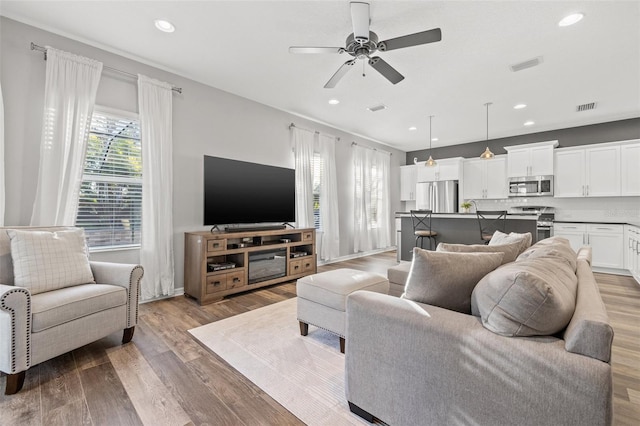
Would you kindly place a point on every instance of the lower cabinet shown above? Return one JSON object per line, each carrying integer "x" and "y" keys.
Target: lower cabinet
{"x": 606, "y": 241}
{"x": 632, "y": 250}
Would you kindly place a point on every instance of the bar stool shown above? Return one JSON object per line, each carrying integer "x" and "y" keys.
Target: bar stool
{"x": 491, "y": 221}
{"x": 421, "y": 220}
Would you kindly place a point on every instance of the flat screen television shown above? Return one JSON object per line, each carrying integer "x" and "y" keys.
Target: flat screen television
{"x": 239, "y": 192}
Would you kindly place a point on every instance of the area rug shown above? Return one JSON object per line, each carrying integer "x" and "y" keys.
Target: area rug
{"x": 304, "y": 374}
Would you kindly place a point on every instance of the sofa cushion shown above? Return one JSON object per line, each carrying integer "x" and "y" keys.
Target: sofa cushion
{"x": 530, "y": 297}
{"x": 398, "y": 274}
{"x": 447, "y": 279}
{"x": 555, "y": 248}
{"x": 510, "y": 251}
{"x": 44, "y": 261}
{"x": 500, "y": 238}
{"x": 56, "y": 307}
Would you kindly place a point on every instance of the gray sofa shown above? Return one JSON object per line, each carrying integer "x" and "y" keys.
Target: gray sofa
{"x": 37, "y": 326}
{"x": 409, "y": 363}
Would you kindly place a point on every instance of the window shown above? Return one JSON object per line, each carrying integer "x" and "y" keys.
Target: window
{"x": 110, "y": 204}
{"x": 318, "y": 168}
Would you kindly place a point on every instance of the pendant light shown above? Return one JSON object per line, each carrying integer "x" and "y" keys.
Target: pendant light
{"x": 487, "y": 154}
{"x": 430, "y": 162}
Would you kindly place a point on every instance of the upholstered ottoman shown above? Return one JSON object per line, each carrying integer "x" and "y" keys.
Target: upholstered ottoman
{"x": 322, "y": 298}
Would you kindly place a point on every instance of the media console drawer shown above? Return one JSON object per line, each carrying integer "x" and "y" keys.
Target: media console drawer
{"x": 216, "y": 245}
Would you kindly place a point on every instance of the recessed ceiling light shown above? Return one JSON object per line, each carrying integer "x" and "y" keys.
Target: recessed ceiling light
{"x": 412, "y": 128}
{"x": 164, "y": 26}
{"x": 529, "y": 123}
{"x": 334, "y": 101}
{"x": 519, "y": 106}
{"x": 434, "y": 139}
{"x": 571, "y": 19}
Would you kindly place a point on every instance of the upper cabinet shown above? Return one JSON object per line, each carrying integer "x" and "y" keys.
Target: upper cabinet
{"x": 485, "y": 178}
{"x": 630, "y": 169}
{"x": 535, "y": 159}
{"x": 597, "y": 171}
{"x": 445, "y": 169}
{"x": 408, "y": 180}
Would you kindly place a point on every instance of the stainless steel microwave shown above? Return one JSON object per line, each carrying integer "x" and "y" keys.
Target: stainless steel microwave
{"x": 530, "y": 186}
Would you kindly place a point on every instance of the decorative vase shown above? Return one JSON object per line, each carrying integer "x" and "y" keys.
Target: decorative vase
{"x": 465, "y": 209}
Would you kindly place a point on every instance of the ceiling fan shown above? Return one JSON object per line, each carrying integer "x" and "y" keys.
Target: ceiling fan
{"x": 362, "y": 43}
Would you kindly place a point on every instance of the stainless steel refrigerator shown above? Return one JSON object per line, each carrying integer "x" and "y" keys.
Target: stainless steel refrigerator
{"x": 441, "y": 197}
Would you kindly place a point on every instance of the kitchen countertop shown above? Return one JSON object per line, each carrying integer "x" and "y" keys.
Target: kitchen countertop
{"x": 518, "y": 216}
{"x": 592, "y": 221}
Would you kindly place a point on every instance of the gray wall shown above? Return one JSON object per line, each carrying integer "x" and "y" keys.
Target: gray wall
{"x": 205, "y": 121}
{"x": 584, "y": 135}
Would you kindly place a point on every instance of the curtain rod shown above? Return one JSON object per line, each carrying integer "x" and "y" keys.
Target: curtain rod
{"x": 373, "y": 149}
{"x": 44, "y": 50}
{"x": 312, "y": 131}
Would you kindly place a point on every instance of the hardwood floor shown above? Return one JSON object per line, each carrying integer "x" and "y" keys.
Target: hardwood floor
{"x": 164, "y": 377}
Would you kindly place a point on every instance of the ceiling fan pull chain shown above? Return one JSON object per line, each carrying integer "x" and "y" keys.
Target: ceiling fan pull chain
{"x": 363, "y": 64}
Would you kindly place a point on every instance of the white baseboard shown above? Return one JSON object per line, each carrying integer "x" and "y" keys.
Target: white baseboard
{"x": 355, "y": 255}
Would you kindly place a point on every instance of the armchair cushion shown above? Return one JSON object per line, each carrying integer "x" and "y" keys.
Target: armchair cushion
{"x": 56, "y": 307}
{"x": 45, "y": 261}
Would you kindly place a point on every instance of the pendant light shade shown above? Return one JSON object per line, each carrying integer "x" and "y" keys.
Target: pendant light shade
{"x": 487, "y": 154}
{"x": 430, "y": 162}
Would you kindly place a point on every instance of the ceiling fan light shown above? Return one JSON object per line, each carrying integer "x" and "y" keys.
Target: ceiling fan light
{"x": 430, "y": 162}
{"x": 487, "y": 154}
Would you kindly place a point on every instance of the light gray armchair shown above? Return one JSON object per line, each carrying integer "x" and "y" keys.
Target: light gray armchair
{"x": 37, "y": 327}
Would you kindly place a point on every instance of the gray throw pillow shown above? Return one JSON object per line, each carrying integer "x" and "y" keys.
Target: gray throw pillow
{"x": 447, "y": 279}
{"x": 532, "y": 297}
{"x": 499, "y": 238}
{"x": 510, "y": 251}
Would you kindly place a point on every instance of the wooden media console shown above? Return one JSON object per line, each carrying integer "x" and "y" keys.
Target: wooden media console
{"x": 220, "y": 263}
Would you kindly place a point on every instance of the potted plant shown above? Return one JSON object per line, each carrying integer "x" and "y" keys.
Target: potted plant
{"x": 465, "y": 207}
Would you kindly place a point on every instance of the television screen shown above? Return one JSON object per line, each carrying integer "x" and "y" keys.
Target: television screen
{"x": 241, "y": 192}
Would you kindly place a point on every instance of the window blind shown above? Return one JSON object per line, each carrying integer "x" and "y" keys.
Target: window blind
{"x": 110, "y": 204}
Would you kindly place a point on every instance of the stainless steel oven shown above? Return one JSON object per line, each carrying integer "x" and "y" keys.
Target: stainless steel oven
{"x": 530, "y": 186}
{"x": 544, "y": 222}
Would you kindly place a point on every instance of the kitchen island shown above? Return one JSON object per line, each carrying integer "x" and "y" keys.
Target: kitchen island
{"x": 458, "y": 228}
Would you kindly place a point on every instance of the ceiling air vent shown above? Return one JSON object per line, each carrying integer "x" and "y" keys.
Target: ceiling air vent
{"x": 526, "y": 64}
{"x": 586, "y": 107}
{"x": 377, "y": 108}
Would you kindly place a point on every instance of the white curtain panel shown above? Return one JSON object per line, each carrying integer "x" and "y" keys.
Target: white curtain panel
{"x": 156, "y": 255}
{"x": 70, "y": 94}
{"x": 2, "y": 188}
{"x": 302, "y": 142}
{"x": 371, "y": 199}
{"x": 330, "y": 239}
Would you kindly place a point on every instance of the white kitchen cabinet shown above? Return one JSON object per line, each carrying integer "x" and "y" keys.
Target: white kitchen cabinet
{"x": 587, "y": 172}
{"x": 574, "y": 232}
{"x": 630, "y": 169}
{"x": 408, "y": 180}
{"x": 602, "y": 171}
{"x": 606, "y": 241}
{"x": 530, "y": 160}
{"x": 485, "y": 178}
{"x": 445, "y": 169}
{"x": 632, "y": 250}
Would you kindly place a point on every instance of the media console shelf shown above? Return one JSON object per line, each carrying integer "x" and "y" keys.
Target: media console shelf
{"x": 220, "y": 263}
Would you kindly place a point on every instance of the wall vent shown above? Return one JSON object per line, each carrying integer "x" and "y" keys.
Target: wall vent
{"x": 377, "y": 108}
{"x": 526, "y": 64}
{"x": 586, "y": 107}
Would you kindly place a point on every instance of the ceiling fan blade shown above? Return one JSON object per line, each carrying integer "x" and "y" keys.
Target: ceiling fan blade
{"x": 339, "y": 74}
{"x": 424, "y": 37}
{"x": 309, "y": 49}
{"x": 386, "y": 70}
{"x": 360, "y": 20}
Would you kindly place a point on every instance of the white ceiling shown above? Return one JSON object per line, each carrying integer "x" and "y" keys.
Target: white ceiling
{"x": 242, "y": 47}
